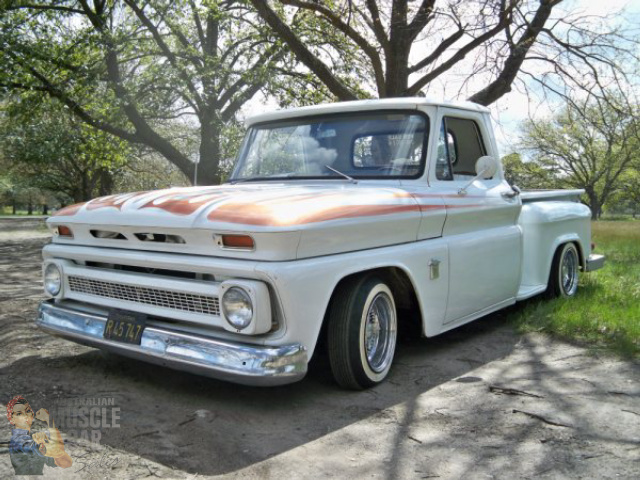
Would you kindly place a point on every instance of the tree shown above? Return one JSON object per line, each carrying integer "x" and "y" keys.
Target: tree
{"x": 627, "y": 198}
{"x": 17, "y": 192}
{"x": 528, "y": 175}
{"x": 147, "y": 170}
{"x": 8, "y": 194}
{"x": 46, "y": 149}
{"x": 154, "y": 67}
{"x": 588, "y": 145}
{"x": 404, "y": 46}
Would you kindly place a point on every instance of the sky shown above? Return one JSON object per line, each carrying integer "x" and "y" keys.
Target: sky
{"x": 510, "y": 111}
{"x": 515, "y": 107}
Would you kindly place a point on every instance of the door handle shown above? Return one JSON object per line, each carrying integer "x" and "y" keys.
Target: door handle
{"x": 515, "y": 191}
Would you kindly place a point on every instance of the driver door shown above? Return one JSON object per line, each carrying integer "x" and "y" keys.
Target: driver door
{"x": 483, "y": 238}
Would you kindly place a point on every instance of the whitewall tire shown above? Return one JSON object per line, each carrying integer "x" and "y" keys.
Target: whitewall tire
{"x": 362, "y": 332}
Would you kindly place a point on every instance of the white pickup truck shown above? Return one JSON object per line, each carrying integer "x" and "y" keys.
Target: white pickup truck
{"x": 337, "y": 221}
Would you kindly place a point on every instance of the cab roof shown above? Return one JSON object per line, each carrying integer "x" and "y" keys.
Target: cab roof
{"x": 405, "y": 103}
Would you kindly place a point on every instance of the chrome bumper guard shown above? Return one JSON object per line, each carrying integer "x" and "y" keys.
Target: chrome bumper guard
{"x": 239, "y": 363}
{"x": 595, "y": 262}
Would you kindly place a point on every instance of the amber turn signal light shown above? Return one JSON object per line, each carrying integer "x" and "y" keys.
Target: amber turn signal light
{"x": 244, "y": 242}
{"x": 64, "y": 231}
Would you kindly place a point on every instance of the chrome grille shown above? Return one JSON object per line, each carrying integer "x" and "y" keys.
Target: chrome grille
{"x": 157, "y": 297}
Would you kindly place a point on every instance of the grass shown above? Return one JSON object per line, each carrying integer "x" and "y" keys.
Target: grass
{"x": 7, "y": 212}
{"x": 605, "y": 313}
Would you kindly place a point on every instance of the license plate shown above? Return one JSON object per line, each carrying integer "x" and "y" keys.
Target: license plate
{"x": 125, "y": 327}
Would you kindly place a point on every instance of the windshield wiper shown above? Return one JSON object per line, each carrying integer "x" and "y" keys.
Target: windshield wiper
{"x": 242, "y": 180}
{"x": 351, "y": 179}
{"x": 277, "y": 176}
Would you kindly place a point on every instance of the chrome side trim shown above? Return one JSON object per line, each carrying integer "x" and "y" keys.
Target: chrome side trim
{"x": 595, "y": 262}
{"x": 239, "y": 363}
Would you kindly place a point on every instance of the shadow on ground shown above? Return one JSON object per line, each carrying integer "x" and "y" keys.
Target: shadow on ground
{"x": 205, "y": 426}
{"x": 564, "y": 413}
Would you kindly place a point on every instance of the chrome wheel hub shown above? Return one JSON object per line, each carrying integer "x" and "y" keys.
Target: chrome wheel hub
{"x": 569, "y": 273}
{"x": 380, "y": 333}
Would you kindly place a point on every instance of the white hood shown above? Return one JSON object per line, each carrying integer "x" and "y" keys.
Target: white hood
{"x": 287, "y": 221}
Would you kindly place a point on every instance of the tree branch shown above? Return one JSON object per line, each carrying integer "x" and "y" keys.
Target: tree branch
{"x": 378, "y": 28}
{"x": 421, "y": 18}
{"x": 462, "y": 53}
{"x": 502, "y": 84}
{"x": 338, "y": 88}
{"x": 29, "y": 6}
{"x": 350, "y": 32}
{"x": 166, "y": 51}
{"x": 437, "y": 53}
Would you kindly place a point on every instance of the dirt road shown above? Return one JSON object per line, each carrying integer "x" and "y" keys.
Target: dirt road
{"x": 480, "y": 402}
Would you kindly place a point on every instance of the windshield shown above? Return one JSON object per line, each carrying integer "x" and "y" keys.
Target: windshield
{"x": 362, "y": 145}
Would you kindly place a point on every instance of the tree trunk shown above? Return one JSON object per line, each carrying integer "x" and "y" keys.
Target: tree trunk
{"x": 397, "y": 77}
{"x": 106, "y": 183}
{"x": 30, "y": 209}
{"x": 209, "y": 166}
{"x": 84, "y": 188}
{"x": 397, "y": 59}
{"x": 13, "y": 204}
{"x": 45, "y": 209}
{"x": 595, "y": 204}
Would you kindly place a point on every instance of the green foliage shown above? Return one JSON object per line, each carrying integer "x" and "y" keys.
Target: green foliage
{"x": 150, "y": 72}
{"x": 231, "y": 140}
{"x": 146, "y": 171}
{"x": 605, "y": 313}
{"x": 626, "y": 200}
{"x": 47, "y": 149}
{"x": 527, "y": 175}
{"x": 587, "y": 145}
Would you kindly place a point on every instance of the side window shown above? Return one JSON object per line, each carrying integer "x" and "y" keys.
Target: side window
{"x": 460, "y": 145}
{"x": 468, "y": 143}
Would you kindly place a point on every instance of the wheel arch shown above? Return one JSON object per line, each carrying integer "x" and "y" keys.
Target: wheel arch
{"x": 558, "y": 243}
{"x": 403, "y": 288}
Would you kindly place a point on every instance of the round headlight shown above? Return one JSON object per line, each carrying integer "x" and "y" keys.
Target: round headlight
{"x": 237, "y": 307}
{"x": 52, "y": 279}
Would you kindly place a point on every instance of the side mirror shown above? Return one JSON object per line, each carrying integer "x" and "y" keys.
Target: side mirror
{"x": 486, "y": 167}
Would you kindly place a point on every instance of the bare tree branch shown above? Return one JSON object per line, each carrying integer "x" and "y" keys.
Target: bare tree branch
{"x": 311, "y": 61}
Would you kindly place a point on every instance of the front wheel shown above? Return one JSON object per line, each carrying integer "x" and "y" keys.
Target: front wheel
{"x": 563, "y": 278}
{"x": 362, "y": 332}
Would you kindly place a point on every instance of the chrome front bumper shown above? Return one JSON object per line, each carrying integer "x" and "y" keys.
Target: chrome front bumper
{"x": 239, "y": 363}
{"x": 594, "y": 262}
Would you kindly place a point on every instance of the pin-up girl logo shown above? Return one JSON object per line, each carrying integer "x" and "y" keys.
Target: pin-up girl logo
{"x": 31, "y": 451}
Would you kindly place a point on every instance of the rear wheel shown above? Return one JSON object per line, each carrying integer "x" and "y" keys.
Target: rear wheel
{"x": 362, "y": 332}
{"x": 563, "y": 278}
